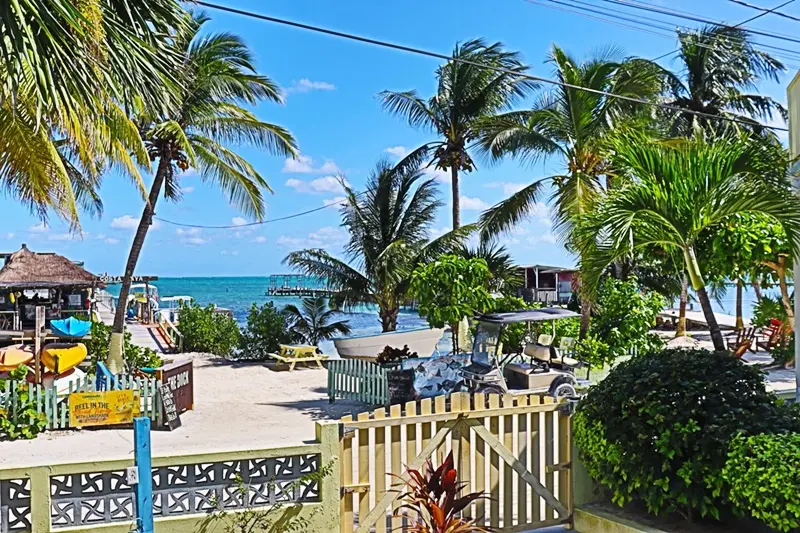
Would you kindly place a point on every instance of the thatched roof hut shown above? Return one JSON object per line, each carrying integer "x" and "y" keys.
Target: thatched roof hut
{"x": 25, "y": 269}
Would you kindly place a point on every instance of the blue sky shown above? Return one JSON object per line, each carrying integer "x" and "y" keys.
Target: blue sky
{"x": 332, "y": 109}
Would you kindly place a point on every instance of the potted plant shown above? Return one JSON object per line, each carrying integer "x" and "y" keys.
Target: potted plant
{"x": 399, "y": 383}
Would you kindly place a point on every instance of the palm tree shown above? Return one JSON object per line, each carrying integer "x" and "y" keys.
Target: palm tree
{"x": 217, "y": 78}
{"x": 570, "y": 124}
{"x": 466, "y": 94}
{"x": 389, "y": 225}
{"x": 313, "y": 324}
{"x": 677, "y": 189}
{"x": 505, "y": 274}
{"x": 719, "y": 66}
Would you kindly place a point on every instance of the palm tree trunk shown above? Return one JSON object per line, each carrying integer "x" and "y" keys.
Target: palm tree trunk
{"x": 388, "y": 319}
{"x": 681, "y": 329}
{"x": 115, "y": 354}
{"x": 757, "y": 289}
{"x": 456, "y": 197}
{"x": 586, "y": 316}
{"x": 696, "y": 278}
{"x": 739, "y": 318}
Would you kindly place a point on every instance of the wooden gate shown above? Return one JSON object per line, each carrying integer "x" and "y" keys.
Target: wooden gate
{"x": 514, "y": 449}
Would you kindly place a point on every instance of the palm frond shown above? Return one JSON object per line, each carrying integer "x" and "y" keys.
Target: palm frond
{"x": 505, "y": 215}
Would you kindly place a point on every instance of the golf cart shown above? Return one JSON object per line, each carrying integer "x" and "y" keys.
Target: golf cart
{"x": 540, "y": 369}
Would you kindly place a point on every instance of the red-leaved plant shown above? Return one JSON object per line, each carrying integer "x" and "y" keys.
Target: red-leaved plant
{"x": 434, "y": 496}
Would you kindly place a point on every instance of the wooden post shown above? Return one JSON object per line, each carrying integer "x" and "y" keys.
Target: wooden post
{"x": 38, "y": 335}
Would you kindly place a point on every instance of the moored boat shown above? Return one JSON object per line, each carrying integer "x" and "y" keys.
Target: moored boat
{"x": 423, "y": 341}
{"x": 13, "y": 356}
{"x": 62, "y": 356}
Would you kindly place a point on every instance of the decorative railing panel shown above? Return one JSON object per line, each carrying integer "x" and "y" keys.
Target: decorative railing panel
{"x": 104, "y": 497}
{"x": 15, "y": 505}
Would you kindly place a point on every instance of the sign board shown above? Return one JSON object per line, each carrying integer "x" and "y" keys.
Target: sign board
{"x": 102, "y": 408}
{"x": 111, "y": 280}
{"x": 172, "y": 419}
{"x": 179, "y": 377}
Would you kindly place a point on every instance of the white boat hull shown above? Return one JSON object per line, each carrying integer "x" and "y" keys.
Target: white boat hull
{"x": 422, "y": 341}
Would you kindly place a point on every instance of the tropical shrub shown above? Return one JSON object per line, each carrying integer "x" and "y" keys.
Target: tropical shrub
{"x": 22, "y": 420}
{"x": 135, "y": 356}
{"x": 314, "y": 322}
{"x": 594, "y": 352}
{"x": 768, "y": 309}
{"x": 205, "y": 330}
{"x": 266, "y": 330}
{"x": 763, "y": 474}
{"x": 624, "y": 315}
{"x": 449, "y": 289}
{"x": 513, "y": 336}
{"x": 395, "y": 355}
{"x": 784, "y": 353}
{"x": 657, "y": 429}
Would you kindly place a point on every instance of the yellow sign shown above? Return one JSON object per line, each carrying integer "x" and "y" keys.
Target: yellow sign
{"x": 102, "y": 408}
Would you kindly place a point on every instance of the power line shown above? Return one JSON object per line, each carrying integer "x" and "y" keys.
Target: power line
{"x": 420, "y": 51}
{"x": 765, "y": 11}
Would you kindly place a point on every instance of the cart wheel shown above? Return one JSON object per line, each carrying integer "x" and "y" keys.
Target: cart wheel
{"x": 491, "y": 389}
{"x": 565, "y": 390}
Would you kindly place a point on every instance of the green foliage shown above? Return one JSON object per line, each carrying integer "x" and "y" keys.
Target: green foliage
{"x": 135, "y": 356}
{"x": 395, "y": 355}
{"x": 783, "y": 353}
{"x": 314, "y": 323}
{"x": 22, "y": 420}
{"x": 266, "y": 330}
{"x": 205, "y": 330}
{"x": 657, "y": 429}
{"x": 513, "y": 336}
{"x": 763, "y": 475}
{"x": 594, "y": 352}
{"x": 280, "y": 517}
{"x": 768, "y": 309}
{"x": 449, "y": 289}
{"x": 624, "y": 315}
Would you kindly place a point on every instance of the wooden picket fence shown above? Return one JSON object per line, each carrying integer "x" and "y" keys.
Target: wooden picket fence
{"x": 55, "y": 405}
{"x": 515, "y": 449}
{"x": 354, "y": 379}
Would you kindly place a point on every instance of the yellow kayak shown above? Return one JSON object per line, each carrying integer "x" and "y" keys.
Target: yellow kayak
{"x": 62, "y": 356}
{"x": 13, "y": 356}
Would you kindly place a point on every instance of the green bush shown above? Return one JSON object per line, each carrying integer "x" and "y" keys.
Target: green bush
{"x": 766, "y": 310}
{"x": 267, "y": 328}
{"x": 205, "y": 330}
{"x": 624, "y": 316}
{"x": 657, "y": 429}
{"x": 513, "y": 336}
{"x": 22, "y": 420}
{"x": 135, "y": 356}
{"x": 763, "y": 476}
{"x": 594, "y": 352}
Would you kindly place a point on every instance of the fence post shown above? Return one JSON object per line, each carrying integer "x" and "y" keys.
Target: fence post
{"x": 40, "y": 499}
{"x": 327, "y": 434}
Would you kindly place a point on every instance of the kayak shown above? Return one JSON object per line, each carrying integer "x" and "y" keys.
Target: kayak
{"x": 71, "y": 327}
{"x": 13, "y": 356}
{"x": 61, "y": 356}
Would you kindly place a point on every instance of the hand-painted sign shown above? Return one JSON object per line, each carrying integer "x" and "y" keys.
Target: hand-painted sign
{"x": 111, "y": 280}
{"x": 179, "y": 377}
{"x": 172, "y": 419}
{"x": 103, "y": 408}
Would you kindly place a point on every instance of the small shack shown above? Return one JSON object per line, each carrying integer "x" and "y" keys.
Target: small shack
{"x": 29, "y": 279}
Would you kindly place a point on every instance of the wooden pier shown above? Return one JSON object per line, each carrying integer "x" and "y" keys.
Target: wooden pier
{"x": 282, "y": 285}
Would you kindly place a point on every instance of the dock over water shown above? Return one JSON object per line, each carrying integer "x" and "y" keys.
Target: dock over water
{"x": 144, "y": 335}
{"x": 297, "y": 285}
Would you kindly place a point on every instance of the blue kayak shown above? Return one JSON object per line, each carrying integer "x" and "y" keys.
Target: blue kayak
{"x": 70, "y": 327}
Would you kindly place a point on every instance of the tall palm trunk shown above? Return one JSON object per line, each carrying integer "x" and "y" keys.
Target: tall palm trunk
{"x": 586, "y": 316}
{"x": 456, "y": 197}
{"x": 739, "y": 317}
{"x": 115, "y": 353}
{"x": 681, "y": 329}
{"x": 696, "y": 278}
{"x": 757, "y": 290}
{"x": 388, "y": 319}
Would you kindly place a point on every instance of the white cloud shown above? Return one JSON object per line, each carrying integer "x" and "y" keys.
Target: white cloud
{"x": 187, "y": 190}
{"x": 229, "y": 252}
{"x": 112, "y": 240}
{"x": 41, "y": 227}
{"x": 322, "y": 238}
{"x": 473, "y": 204}
{"x": 188, "y": 231}
{"x": 542, "y": 213}
{"x": 238, "y": 221}
{"x": 540, "y": 239}
{"x": 397, "y": 151}
{"x": 195, "y": 240}
{"x": 130, "y": 222}
{"x": 336, "y": 200}
{"x": 306, "y": 85}
{"x": 325, "y": 184}
{"x": 10, "y": 236}
{"x": 509, "y": 188}
{"x": 304, "y": 164}
{"x": 66, "y": 236}
{"x": 442, "y": 176}
{"x": 260, "y": 239}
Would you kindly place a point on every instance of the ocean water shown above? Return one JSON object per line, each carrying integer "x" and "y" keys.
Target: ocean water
{"x": 239, "y": 293}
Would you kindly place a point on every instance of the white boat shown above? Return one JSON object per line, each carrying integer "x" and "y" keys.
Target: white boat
{"x": 423, "y": 341}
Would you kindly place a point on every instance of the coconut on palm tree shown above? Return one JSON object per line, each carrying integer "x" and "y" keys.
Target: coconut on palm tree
{"x": 571, "y": 125}
{"x": 674, "y": 190}
{"x": 315, "y": 322}
{"x": 389, "y": 224}
{"x": 465, "y": 95}
{"x": 199, "y": 129}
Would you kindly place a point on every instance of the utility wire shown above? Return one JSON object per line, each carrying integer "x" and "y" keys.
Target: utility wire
{"x": 420, "y": 51}
{"x": 765, "y": 11}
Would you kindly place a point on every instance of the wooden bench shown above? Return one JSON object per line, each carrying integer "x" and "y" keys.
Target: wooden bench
{"x": 293, "y": 354}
